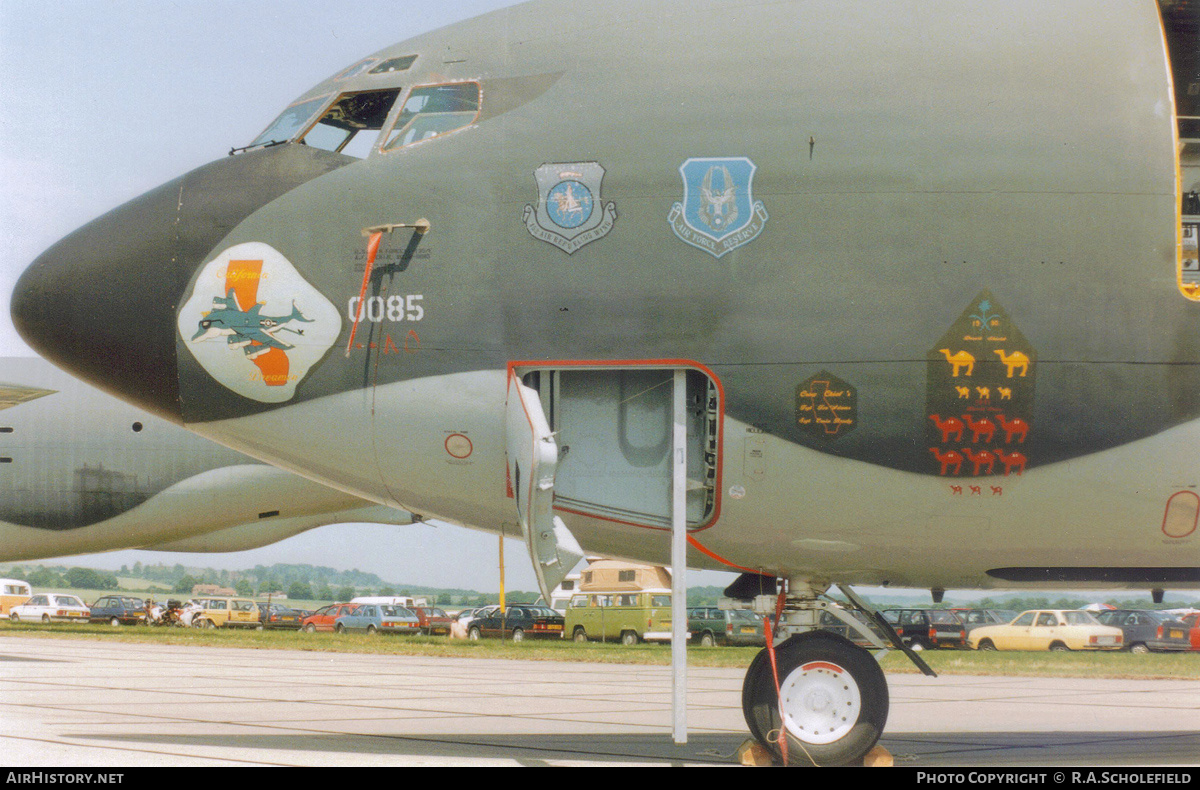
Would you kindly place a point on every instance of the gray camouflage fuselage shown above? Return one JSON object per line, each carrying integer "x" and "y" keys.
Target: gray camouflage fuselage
{"x": 955, "y": 206}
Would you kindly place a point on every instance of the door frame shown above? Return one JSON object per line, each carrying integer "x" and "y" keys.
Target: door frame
{"x": 519, "y": 368}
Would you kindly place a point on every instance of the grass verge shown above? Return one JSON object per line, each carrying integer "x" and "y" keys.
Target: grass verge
{"x": 1155, "y": 666}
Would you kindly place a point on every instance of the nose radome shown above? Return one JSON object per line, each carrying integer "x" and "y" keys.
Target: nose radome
{"x": 98, "y": 303}
{"x": 101, "y": 303}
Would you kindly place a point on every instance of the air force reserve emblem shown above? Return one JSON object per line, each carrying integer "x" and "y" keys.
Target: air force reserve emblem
{"x": 718, "y": 213}
{"x": 569, "y": 211}
{"x": 255, "y": 324}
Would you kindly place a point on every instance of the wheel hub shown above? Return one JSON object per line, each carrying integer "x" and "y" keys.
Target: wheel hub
{"x": 819, "y": 702}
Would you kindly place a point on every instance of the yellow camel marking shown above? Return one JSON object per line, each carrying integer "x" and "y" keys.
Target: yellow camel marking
{"x": 1015, "y": 360}
{"x": 958, "y": 361}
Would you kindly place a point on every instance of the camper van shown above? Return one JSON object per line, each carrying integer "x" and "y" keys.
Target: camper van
{"x": 560, "y": 598}
{"x": 391, "y": 600}
{"x": 13, "y": 592}
{"x": 620, "y": 601}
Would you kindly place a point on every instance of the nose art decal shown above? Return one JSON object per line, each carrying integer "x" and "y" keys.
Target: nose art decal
{"x": 255, "y": 324}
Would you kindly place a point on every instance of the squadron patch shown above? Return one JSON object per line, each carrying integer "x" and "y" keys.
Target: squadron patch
{"x": 718, "y": 213}
{"x": 569, "y": 212}
{"x": 255, "y": 324}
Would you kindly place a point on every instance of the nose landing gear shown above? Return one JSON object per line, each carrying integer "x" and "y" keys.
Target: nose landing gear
{"x": 832, "y": 702}
{"x": 822, "y": 699}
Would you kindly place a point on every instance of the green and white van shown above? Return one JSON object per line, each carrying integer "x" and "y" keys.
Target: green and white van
{"x": 630, "y": 617}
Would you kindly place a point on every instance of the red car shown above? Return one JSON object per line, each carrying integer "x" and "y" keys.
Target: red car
{"x": 322, "y": 619}
{"x": 433, "y": 620}
{"x": 1193, "y": 623}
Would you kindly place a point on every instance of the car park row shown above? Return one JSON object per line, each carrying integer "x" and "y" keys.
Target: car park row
{"x": 636, "y": 617}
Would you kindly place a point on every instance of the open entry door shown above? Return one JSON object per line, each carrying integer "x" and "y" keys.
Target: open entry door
{"x": 532, "y": 463}
{"x": 613, "y": 428}
{"x": 632, "y": 443}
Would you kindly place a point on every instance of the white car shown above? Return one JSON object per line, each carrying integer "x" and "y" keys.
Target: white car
{"x": 47, "y": 607}
{"x": 467, "y": 615}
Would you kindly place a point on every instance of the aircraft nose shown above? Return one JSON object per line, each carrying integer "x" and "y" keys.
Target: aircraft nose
{"x": 102, "y": 302}
{"x": 98, "y": 303}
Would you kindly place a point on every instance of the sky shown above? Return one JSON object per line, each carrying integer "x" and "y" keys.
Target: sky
{"x": 105, "y": 100}
{"x": 102, "y": 101}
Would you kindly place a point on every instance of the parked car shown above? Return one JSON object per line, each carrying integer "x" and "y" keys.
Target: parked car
{"x": 118, "y": 610}
{"x": 226, "y": 612}
{"x": 1048, "y": 629}
{"x": 13, "y": 592}
{"x": 830, "y": 622}
{"x": 276, "y": 615}
{"x": 628, "y": 617}
{"x": 378, "y": 617}
{"x": 433, "y": 620}
{"x": 467, "y": 615}
{"x": 323, "y": 619}
{"x": 927, "y": 629}
{"x": 1146, "y": 630}
{"x": 1192, "y": 621}
{"x": 973, "y": 618}
{"x": 710, "y": 626}
{"x": 48, "y": 607}
{"x": 518, "y": 622}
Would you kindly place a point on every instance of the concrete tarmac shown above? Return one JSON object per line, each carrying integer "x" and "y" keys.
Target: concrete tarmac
{"x": 87, "y": 703}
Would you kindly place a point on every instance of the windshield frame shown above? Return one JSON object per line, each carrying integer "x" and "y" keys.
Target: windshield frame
{"x": 321, "y": 103}
{"x": 392, "y": 129}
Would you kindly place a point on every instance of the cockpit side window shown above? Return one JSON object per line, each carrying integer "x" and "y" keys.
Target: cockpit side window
{"x": 434, "y": 110}
{"x": 356, "y": 69}
{"x": 402, "y": 63}
{"x": 290, "y": 122}
{"x": 346, "y": 125}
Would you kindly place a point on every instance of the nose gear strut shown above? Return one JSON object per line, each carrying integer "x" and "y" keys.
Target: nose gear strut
{"x": 813, "y": 696}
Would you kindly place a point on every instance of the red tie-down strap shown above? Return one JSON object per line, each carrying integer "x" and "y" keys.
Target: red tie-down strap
{"x": 769, "y": 632}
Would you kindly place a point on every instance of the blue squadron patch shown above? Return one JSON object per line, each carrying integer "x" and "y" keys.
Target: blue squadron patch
{"x": 718, "y": 213}
{"x": 569, "y": 212}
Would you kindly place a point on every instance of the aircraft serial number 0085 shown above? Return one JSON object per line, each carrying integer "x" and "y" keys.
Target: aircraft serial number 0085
{"x": 394, "y": 308}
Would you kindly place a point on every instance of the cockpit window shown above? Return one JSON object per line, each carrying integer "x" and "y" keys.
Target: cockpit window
{"x": 290, "y": 122}
{"x": 434, "y": 110}
{"x": 402, "y": 63}
{"x": 356, "y": 69}
{"x": 346, "y": 125}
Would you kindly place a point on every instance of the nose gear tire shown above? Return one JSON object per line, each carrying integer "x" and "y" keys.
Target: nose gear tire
{"x": 834, "y": 695}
